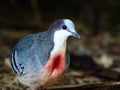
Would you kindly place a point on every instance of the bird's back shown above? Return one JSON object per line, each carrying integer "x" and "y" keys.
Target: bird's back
{"x": 29, "y": 51}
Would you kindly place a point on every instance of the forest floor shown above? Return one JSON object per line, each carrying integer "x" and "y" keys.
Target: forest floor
{"x": 95, "y": 62}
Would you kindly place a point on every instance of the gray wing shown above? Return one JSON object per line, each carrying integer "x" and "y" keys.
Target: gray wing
{"x": 30, "y": 53}
{"x": 68, "y": 59}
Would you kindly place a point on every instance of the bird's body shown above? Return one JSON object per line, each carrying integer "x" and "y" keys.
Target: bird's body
{"x": 41, "y": 59}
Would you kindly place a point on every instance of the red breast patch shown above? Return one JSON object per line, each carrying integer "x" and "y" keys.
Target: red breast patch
{"x": 56, "y": 63}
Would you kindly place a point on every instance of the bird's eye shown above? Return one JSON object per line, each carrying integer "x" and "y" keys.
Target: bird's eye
{"x": 64, "y": 27}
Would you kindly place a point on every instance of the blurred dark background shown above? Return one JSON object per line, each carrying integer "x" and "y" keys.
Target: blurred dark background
{"x": 97, "y": 15}
{"x": 97, "y": 21}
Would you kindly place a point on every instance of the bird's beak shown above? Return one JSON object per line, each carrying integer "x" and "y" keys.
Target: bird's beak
{"x": 75, "y": 34}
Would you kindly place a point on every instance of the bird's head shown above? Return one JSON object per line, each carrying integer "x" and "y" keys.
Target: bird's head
{"x": 63, "y": 28}
{"x": 60, "y": 30}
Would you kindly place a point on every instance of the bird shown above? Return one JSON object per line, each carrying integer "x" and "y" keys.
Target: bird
{"x": 41, "y": 59}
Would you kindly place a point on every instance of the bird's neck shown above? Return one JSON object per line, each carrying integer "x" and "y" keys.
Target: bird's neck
{"x": 59, "y": 46}
{"x": 60, "y": 41}
{"x": 57, "y": 63}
